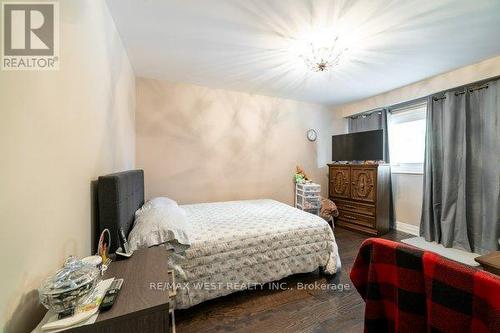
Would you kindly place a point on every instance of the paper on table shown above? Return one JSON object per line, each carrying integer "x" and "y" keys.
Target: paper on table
{"x": 51, "y": 317}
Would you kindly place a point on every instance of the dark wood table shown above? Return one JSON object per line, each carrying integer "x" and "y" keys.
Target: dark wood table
{"x": 490, "y": 262}
{"x": 140, "y": 305}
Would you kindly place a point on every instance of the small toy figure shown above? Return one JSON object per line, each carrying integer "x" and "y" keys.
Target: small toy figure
{"x": 300, "y": 175}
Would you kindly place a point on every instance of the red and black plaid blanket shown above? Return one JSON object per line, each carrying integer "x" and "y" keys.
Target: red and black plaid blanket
{"x": 410, "y": 290}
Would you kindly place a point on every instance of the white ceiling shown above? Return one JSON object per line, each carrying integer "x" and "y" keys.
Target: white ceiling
{"x": 245, "y": 45}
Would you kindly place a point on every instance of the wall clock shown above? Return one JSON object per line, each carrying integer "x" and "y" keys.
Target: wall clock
{"x": 312, "y": 135}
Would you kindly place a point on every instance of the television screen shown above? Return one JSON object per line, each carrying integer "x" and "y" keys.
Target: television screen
{"x": 361, "y": 146}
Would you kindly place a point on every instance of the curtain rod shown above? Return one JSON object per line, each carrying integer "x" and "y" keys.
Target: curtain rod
{"x": 366, "y": 113}
{"x": 461, "y": 92}
{"x": 465, "y": 86}
{"x": 402, "y": 104}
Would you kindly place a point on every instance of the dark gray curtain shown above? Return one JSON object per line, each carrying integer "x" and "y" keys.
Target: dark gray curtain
{"x": 462, "y": 169}
{"x": 369, "y": 122}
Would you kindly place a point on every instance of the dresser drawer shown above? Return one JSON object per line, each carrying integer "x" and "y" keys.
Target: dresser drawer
{"x": 357, "y": 207}
{"x": 355, "y": 218}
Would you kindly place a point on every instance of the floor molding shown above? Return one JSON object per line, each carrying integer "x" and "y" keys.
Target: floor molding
{"x": 408, "y": 228}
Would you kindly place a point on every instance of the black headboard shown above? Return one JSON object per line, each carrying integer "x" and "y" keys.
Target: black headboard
{"x": 119, "y": 196}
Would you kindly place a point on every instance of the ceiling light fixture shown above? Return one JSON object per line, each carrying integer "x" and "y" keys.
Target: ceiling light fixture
{"x": 322, "y": 55}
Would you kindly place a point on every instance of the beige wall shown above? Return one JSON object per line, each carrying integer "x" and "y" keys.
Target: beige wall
{"x": 407, "y": 194}
{"x": 408, "y": 187}
{"x": 59, "y": 131}
{"x": 198, "y": 144}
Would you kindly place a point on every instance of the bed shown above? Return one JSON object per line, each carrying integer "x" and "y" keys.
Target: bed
{"x": 234, "y": 245}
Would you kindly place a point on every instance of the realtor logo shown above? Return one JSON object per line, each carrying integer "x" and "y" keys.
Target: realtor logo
{"x": 30, "y": 36}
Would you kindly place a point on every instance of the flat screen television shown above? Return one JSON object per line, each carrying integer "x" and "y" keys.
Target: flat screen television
{"x": 360, "y": 146}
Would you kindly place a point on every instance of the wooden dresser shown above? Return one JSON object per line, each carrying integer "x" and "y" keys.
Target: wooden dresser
{"x": 362, "y": 195}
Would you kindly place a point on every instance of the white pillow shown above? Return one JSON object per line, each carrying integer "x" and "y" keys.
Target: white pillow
{"x": 158, "y": 225}
{"x": 155, "y": 202}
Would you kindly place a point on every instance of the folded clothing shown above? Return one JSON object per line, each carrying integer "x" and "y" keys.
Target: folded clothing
{"x": 410, "y": 290}
{"x": 328, "y": 209}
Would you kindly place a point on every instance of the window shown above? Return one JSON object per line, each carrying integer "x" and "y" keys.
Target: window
{"x": 407, "y": 139}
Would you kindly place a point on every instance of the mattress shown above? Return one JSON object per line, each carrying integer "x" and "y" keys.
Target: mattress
{"x": 241, "y": 245}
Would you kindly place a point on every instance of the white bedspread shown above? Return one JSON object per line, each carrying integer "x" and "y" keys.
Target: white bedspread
{"x": 241, "y": 244}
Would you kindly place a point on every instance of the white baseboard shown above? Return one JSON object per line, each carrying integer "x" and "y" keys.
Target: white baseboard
{"x": 408, "y": 228}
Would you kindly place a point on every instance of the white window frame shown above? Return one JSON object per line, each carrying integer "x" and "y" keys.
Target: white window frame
{"x": 412, "y": 112}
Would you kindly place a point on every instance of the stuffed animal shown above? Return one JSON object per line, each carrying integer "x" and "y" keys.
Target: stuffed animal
{"x": 300, "y": 175}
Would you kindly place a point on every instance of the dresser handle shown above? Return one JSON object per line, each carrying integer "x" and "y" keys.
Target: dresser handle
{"x": 350, "y": 217}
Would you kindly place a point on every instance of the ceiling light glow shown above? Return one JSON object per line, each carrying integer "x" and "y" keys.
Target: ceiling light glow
{"x": 321, "y": 51}
{"x": 320, "y": 58}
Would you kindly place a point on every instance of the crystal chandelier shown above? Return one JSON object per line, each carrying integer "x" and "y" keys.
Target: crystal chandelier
{"x": 320, "y": 58}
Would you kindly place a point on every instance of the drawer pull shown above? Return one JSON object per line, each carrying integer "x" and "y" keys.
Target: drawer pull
{"x": 350, "y": 217}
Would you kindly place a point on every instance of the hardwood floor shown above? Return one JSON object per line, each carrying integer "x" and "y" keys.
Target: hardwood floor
{"x": 290, "y": 310}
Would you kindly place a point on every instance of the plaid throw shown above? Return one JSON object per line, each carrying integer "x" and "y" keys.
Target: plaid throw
{"x": 409, "y": 290}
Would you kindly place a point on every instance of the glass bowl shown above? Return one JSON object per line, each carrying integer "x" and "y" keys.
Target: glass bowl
{"x": 69, "y": 287}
